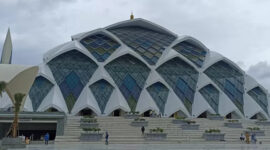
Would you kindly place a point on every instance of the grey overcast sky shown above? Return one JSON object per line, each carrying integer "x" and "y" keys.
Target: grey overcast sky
{"x": 237, "y": 29}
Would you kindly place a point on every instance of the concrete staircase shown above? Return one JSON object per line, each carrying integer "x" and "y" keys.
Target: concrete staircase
{"x": 121, "y": 132}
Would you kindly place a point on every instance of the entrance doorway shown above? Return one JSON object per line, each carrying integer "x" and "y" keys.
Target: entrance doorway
{"x": 258, "y": 116}
{"x": 87, "y": 112}
{"x": 179, "y": 113}
{"x": 117, "y": 113}
{"x": 232, "y": 115}
{"x": 147, "y": 113}
{"x": 51, "y": 109}
{"x": 203, "y": 115}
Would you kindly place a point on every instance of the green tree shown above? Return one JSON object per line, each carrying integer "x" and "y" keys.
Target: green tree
{"x": 17, "y": 105}
{"x": 2, "y": 87}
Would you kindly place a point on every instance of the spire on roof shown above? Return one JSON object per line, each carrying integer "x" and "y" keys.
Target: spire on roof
{"x": 131, "y": 16}
{"x": 7, "y": 50}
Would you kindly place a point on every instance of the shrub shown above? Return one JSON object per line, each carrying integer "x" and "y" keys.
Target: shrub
{"x": 139, "y": 119}
{"x": 190, "y": 121}
{"x": 253, "y": 129}
{"x": 212, "y": 131}
{"x": 233, "y": 121}
{"x": 157, "y": 130}
{"x": 262, "y": 120}
{"x": 89, "y": 120}
{"x": 91, "y": 129}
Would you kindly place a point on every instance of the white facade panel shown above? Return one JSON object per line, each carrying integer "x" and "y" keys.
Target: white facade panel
{"x": 146, "y": 103}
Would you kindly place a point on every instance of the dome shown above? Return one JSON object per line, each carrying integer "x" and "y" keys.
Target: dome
{"x": 136, "y": 65}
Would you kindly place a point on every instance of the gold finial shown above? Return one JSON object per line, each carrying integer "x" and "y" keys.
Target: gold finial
{"x": 131, "y": 16}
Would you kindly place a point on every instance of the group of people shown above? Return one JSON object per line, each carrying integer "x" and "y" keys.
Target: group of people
{"x": 28, "y": 139}
{"x": 248, "y": 138}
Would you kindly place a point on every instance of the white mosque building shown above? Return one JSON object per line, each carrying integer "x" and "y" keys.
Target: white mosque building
{"x": 137, "y": 65}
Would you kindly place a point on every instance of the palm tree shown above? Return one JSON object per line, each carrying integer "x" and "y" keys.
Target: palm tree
{"x": 2, "y": 87}
{"x": 17, "y": 105}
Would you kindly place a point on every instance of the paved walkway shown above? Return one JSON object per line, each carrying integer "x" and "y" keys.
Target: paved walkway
{"x": 149, "y": 147}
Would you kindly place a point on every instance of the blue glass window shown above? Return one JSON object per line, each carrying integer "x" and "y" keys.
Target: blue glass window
{"x": 72, "y": 71}
{"x": 148, "y": 43}
{"x": 102, "y": 91}
{"x": 211, "y": 95}
{"x": 130, "y": 75}
{"x": 100, "y": 46}
{"x": 229, "y": 79}
{"x": 182, "y": 78}
{"x": 260, "y": 97}
{"x": 159, "y": 93}
{"x": 192, "y": 52}
{"x": 39, "y": 90}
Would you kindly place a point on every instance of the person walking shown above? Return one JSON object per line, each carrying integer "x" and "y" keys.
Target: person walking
{"x": 46, "y": 138}
{"x": 253, "y": 138}
{"x": 242, "y": 137}
{"x": 106, "y": 138}
{"x": 142, "y": 129}
{"x": 247, "y": 137}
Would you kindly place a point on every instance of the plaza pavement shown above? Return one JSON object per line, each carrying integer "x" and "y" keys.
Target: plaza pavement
{"x": 149, "y": 147}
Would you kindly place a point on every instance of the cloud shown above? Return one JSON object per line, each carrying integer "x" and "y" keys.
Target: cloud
{"x": 241, "y": 64}
{"x": 238, "y": 29}
{"x": 261, "y": 72}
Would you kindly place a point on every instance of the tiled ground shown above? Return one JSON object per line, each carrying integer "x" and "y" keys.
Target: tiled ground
{"x": 149, "y": 147}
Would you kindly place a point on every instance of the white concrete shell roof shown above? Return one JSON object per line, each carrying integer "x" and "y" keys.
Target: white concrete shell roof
{"x": 18, "y": 79}
{"x": 55, "y": 100}
{"x": 145, "y": 102}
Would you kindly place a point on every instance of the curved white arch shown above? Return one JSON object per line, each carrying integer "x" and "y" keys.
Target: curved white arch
{"x": 217, "y": 57}
{"x": 125, "y": 50}
{"x": 146, "y": 102}
{"x": 252, "y": 83}
{"x": 174, "y": 104}
{"x": 226, "y": 106}
{"x": 116, "y": 101}
{"x": 45, "y": 72}
{"x": 169, "y": 51}
{"x": 103, "y": 32}
{"x": 100, "y": 74}
{"x": 73, "y": 45}
{"x": 200, "y": 105}
{"x": 191, "y": 40}
{"x": 82, "y": 35}
{"x": 173, "y": 54}
{"x": 86, "y": 100}
{"x": 203, "y": 81}
{"x": 153, "y": 78}
{"x": 225, "y": 103}
{"x": 251, "y": 107}
{"x": 19, "y": 79}
{"x": 53, "y": 99}
{"x": 142, "y": 23}
{"x": 50, "y": 53}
